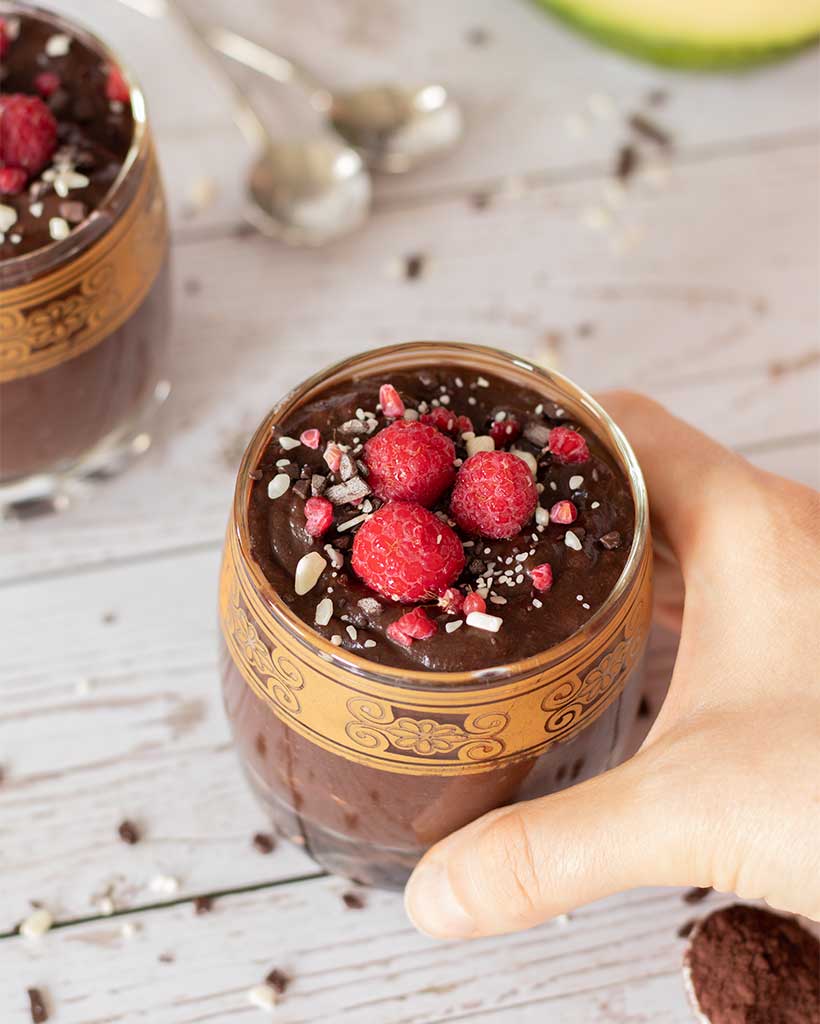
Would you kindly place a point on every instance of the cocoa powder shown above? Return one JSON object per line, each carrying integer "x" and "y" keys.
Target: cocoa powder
{"x": 749, "y": 966}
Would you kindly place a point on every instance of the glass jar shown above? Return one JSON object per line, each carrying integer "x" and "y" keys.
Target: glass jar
{"x": 84, "y": 325}
{"x": 365, "y": 765}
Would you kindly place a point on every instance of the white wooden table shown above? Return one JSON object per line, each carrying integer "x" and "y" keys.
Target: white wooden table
{"x": 703, "y": 289}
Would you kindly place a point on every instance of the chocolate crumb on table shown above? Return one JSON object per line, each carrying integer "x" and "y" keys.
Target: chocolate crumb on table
{"x": 686, "y": 928}
{"x": 129, "y": 833}
{"x": 203, "y": 905}
{"x": 264, "y": 842}
{"x": 37, "y": 1006}
{"x": 626, "y": 162}
{"x": 649, "y": 129}
{"x": 414, "y": 266}
{"x": 277, "y": 980}
{"x": 697, "y": 894}
{"x": 353, "y": 901}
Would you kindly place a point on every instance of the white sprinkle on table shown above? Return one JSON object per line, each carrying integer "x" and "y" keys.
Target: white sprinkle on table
{"x": 279, "y": 485}
{"x": 166, "y": 885}
{"x": 36, "y": 924}
{"x": 263, "y": 997}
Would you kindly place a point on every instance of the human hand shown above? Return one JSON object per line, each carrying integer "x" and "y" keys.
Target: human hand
{"x": 725, "y": 791}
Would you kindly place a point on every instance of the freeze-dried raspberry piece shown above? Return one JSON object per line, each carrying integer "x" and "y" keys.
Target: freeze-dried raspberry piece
{"x": 409, "y": 461}
{"x": 318, "y": 516}
{"x": 452, "y": 600}
{"x": 413, "y": 625}
{"x": 28, "y": 132}
{"x": 405, "y": 553}
{"x": 311, "y": 438}
{"x": 390, "y": 401}
{"x": 563, "y": 512}
{"x": 464, "y": 425}
{"x": 567, "y": 445}
{"x": 494, "y": 495}
{"x": 541, "y": 576}
{"x": 47, "y": 83}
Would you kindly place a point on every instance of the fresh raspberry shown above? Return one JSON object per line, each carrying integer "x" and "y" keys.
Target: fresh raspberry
{"x": 47, "y": 83}
{"x": 28, "y": 132}
{"x": 567, "y": 445}
{"x": 474, "y": 602}
{"x": 411, "y": 626}
{"x": 318, "y": 516}
{"x": 406, "y": 553}
{"x": 440, "y": 418}
{"x": 541, "y": 576}
{"x": 390, "y": 401}
{"x": 5, "y": 42}
{"x": 333, "y": 457}
{"x": 311, "y": 438}
{"x": 451, "y": 601}
{"x": 505, "y": 431}
{"x": 563, "y": 512}
{"x": 12, "y": 180}
{"x": 494, "y": 495}
{"x": 116, "y": 88}
{"x": 409, "y": 461}
{"x": 464, "y": 425}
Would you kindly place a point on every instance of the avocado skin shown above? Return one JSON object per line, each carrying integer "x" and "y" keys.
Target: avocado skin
{"x": 672, "y": 52}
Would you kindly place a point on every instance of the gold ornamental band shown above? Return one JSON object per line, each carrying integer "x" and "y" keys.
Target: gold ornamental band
{"x": 70, "y": 310}
{"x": 441, "y": 732}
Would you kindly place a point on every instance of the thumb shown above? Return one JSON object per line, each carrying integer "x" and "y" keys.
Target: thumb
{"x": 522, "y": 864}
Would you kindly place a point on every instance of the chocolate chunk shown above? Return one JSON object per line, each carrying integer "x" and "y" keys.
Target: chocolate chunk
{"x": 302, "y": 488}
{"x": 610, "y": 540}
{"x": 537, "y": 433}
{"x": 37, "y": 1006}
{"x": 696, "y": 895}
{"x": 305, "y": 473}
{"x": 166, "y": 958}
{"x": 129, "y": 833}
{"x": 317, "y": 485}
{"x": 353, "y": 901}
{"x": 351, "y": 428}
{"x": 347, "y": 467}
{"x": 626, "y": 162}
{"x": 291, "y": 471}
{"x": 203, "y": 905}
{"x": 72, "y": 210}
{"x": 686, "y": 928}
{"x": 414, "y": 266}
{"x": 263, "y": 842}
{"x": 746, "y": 965}
{"x": 277, "y": 980}
{"x": 646, "y": 127}
{"x": 476, "y": 567}
{"x": 350, "y": 490}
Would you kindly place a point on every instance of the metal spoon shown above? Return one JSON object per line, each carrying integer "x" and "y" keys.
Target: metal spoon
{"x": 302, "y": 192}
{"x": 394, "y": 128}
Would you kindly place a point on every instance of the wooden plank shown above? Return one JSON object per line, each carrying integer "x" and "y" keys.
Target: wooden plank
{"x": 519, "y": 89}
{"x": 617, "y": 960}
{"x": 118, "y": 715}
{"x": 700, "y": 315}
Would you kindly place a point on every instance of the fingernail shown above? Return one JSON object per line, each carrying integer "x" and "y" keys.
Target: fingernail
{"x": 432, "y": 905}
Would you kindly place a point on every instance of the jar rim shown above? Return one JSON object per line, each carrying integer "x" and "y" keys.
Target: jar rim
{"x": 54, "y": 252}
{"x": 552, "y": 383}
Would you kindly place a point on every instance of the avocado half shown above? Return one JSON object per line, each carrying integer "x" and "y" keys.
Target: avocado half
{"x": 704, "y": 34}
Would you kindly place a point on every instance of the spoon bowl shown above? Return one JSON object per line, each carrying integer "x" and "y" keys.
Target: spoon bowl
{"x": 307, "y": 192}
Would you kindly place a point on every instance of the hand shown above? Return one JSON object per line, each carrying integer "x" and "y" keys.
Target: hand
{"x": 725, "y": 792}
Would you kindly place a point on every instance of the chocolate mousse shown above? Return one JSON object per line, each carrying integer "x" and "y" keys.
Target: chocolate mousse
{"x": 534, "y": 556}
{"x": 84, "y": 284}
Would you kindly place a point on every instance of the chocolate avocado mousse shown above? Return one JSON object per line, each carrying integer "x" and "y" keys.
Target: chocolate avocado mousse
{"x": 509, "y": 524}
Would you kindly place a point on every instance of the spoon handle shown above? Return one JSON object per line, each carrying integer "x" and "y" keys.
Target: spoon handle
{"x": 266, "y": 62}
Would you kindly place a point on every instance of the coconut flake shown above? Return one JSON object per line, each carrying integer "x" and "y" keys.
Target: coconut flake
{"x": 289, "y": 443}
{"x": 451, "y": 627}
{"x": 279, "y": 485}
{"x": 481, "y": 620}
{"x": 308, "y": 570}
{"x": 542, "y": 516}
{"x": 8, "y": 217}
{"x": 324, "y": 612}
{"x": 575, "y": 482}
{"x": 572, "y": 541}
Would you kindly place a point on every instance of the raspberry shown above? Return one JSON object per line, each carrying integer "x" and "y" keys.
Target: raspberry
{"x": 505, "y": 432}
{"x": 12, "y": 180}
{"x": 47, "y": 83}
{"x": 563, "y": 512}
{"x": 494, "y": 495}
{"x": 440, "y": 418}
{"x": 318, "y": 516}
{"x": 116, "y": 88}
{"x": 567, "y": 445}
{"x": 390, "y": 401}
{"x": 409, "y": 461}
{"x": 451, "y": 601}
{"x": 541, "y": 576}
{"x": 411, "y": 626}
{"x": 333, "y": 457}
{"x": 28, "y": 132}
{"x": 406, "y": 553}
{"x": 474, "y": 603}
{"x": 464, "y": 425}
{"x": 311, "y": 438}
{"x": 5, "y": 42}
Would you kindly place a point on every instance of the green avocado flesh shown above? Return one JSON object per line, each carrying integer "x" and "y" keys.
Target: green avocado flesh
{"x": 689, "y": 34}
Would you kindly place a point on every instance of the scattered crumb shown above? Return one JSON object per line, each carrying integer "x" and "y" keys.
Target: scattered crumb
{"x": 109, "y": 618}
{"x": 353, "y": 901}
{"x": 278, "y": 981}
{"x": 165, "y": 885}
{"x": 481, "y": 200}
{"x": 647, "y": 128}
{"x": 37, "y": 1006}
{"x": 129, "y": 833}
{"x": 166, "y": 958}
{"x": 414, "y": 266}
{"x": 697, "y": 894}
{"x": 36, "y": 924}
{"x": 192, "y": 286}
{"x": 203, "y": 905}
{"x": 657, "y": 97}
{"x": 685, "y": 929}
{"x": 478, "y": 36}
{"x": 626, "y": 162}
{"x": 129, "y": 929}
{"x": 262, "y": 996}
{"x": 263, "y": 842}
